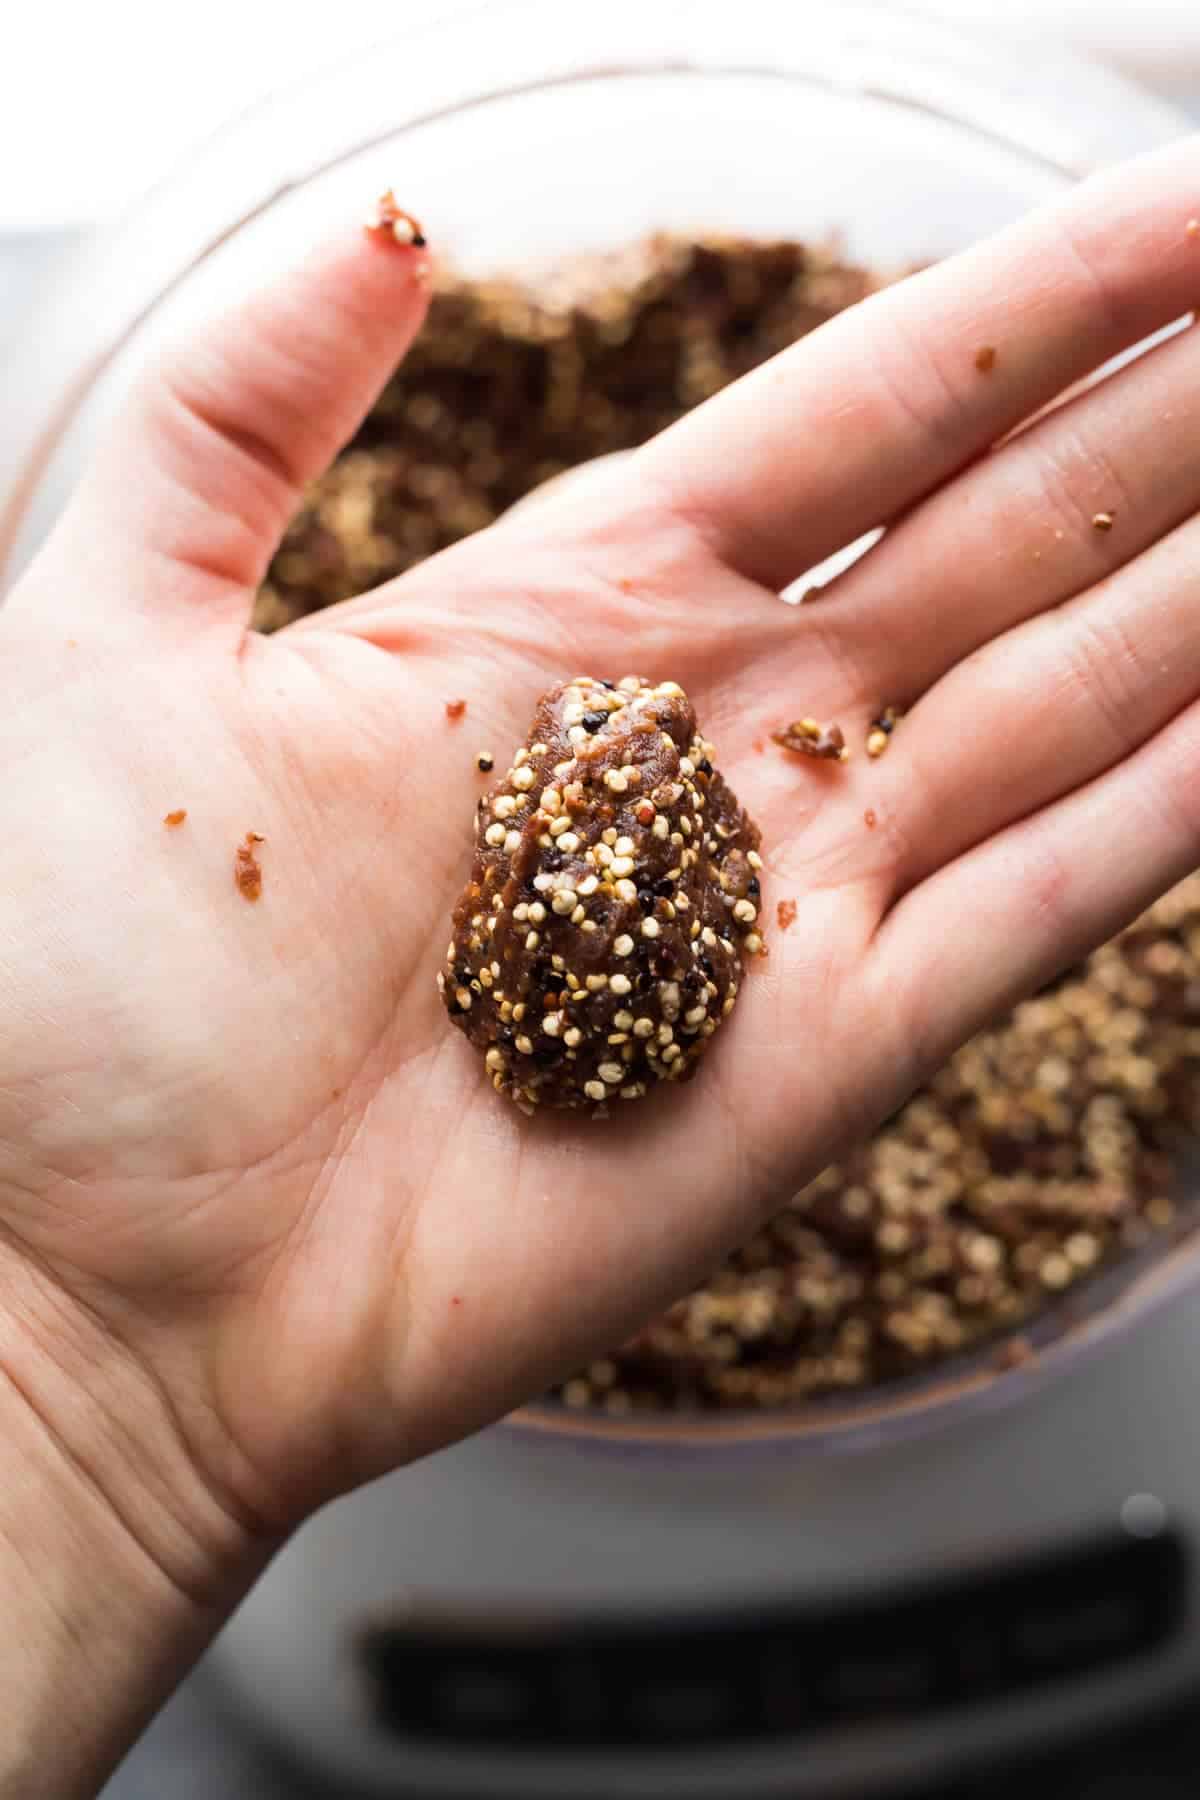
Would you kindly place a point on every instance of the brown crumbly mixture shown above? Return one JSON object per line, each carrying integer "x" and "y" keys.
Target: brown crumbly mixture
{"x": 1045, "y": 1149}
{"x": 504, "y": 389}
{"x": 599, "y": 942}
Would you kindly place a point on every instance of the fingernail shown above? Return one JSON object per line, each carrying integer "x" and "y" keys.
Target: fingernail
{"x": 390, "y": 220}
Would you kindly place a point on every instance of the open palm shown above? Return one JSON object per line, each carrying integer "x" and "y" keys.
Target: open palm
{"x": 242, "y": 1136}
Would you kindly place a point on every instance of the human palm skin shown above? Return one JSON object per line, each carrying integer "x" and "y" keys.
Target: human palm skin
{"x": 265, "y": 1228}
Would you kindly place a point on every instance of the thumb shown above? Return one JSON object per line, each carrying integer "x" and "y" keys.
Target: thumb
{"x": 219, "y": 437}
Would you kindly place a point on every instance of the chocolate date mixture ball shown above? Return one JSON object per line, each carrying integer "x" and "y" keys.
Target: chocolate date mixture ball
{"x": 613, "y": 899}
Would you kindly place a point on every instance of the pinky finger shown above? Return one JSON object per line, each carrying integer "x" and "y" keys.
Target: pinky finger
{"x": 998, "y": 922}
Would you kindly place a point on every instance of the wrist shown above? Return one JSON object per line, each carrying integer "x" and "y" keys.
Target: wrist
{"x": 117, "y": 1562}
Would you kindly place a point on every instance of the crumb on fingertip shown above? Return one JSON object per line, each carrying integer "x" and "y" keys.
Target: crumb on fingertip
{"x": 985, "y": 358}
{"x": 177, "y": 817}
{"x": 390, "y": 220}
{"x": 1192, "y": 228}
{"x": 1102, "y": 521}
{"x": 455, "y": 710}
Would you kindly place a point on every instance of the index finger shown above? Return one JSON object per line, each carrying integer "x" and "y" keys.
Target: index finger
{"x": 857, "y": 422}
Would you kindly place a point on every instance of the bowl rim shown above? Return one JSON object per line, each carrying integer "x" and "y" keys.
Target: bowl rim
{"x": 1056, "y": 109}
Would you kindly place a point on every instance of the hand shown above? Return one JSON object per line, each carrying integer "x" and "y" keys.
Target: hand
{"x": 253, "y": 1188}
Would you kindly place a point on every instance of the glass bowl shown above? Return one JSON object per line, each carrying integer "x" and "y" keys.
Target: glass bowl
{"x": 521, "y": 132}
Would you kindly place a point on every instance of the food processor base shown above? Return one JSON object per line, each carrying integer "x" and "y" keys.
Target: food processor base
{"x": 532, "y": 1616}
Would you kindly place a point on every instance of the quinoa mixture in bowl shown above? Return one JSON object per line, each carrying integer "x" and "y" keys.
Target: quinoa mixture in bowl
{"x": 1046, "y": 1149}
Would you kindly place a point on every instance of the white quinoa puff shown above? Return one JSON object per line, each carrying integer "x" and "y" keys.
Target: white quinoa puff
{"x": 614, "y": 894}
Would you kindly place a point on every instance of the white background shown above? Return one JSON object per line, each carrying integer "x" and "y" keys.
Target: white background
{"x": 98, "y": 97}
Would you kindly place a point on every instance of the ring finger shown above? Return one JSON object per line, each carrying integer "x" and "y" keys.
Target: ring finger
{"x": 1043, "y": 710}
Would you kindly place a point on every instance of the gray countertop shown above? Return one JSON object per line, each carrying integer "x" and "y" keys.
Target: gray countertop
{"x": 196, "y": 1751}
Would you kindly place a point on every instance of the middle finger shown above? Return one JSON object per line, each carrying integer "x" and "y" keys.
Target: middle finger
{"x": 1044, "y": 710}
{"x": 1023, "y": 529}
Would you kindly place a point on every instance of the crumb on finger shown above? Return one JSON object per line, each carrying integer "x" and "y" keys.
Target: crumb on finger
{"x": 809, "y": 738}
{"x": 247, "y": 872}
{"x": 881, "y": 729}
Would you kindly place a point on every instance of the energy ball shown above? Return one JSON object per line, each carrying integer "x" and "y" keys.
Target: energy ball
{"x": 614, "y": 897}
